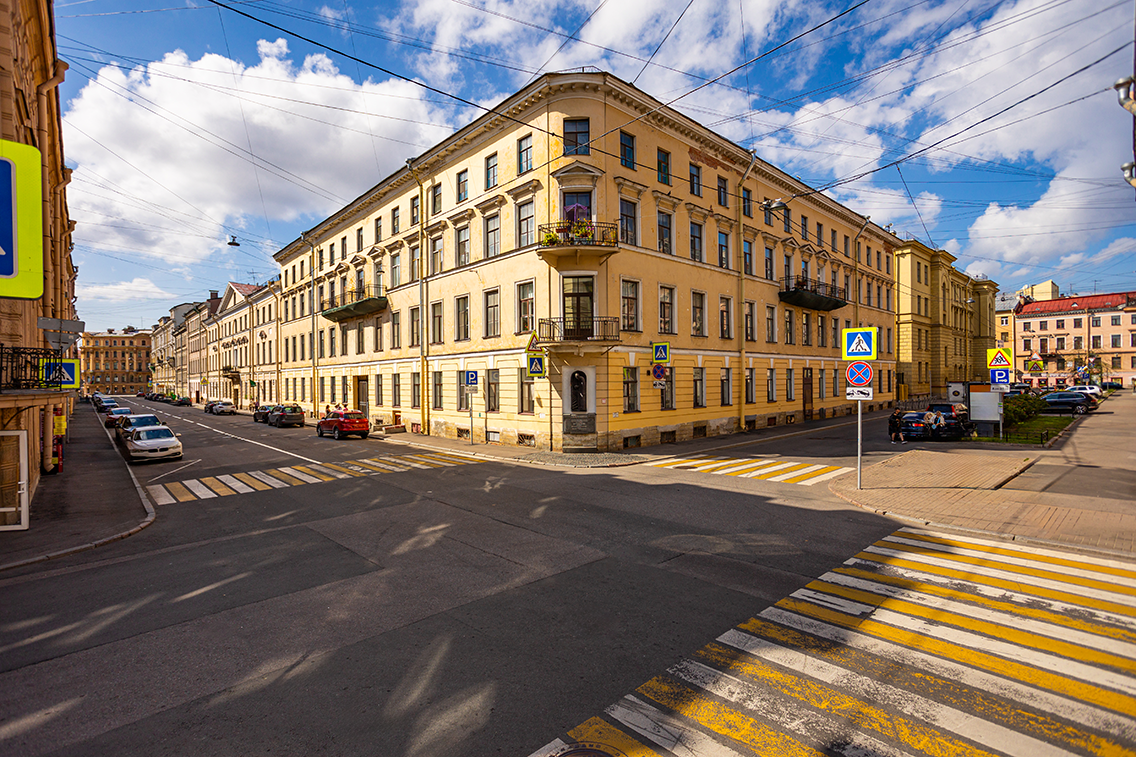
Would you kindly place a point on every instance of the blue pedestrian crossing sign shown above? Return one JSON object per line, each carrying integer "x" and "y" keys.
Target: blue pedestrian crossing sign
{"x": 536, "y": 365}
{"x": 859, "y": 344}
{"x": 999, "y": 375}
{"x": 65, "y": 373}
{"x": 471, "y": 378}
{"x": 21, "y": 221}
{"x": 660, "y": 352}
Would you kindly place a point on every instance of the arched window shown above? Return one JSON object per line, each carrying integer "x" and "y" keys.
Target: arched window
{"x": 579, "y": 390}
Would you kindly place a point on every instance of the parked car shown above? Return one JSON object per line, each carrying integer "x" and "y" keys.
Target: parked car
{"x": 224, "y": 407}
{"x": 1095, "y": 391}
{"x": 260, "y": 413}
{"x": 152, "y": 443}
{"x": 209, "y": 405}
{"x": 183, "y": 402}
{"x": 942, "y": 422}
{"x": 341, "y": 423}
{"x": 1112, "y": 385}
{"x": 1074, "y": 403}
{"x": 114, "y": 414}
{"x": 286, "y": 415}
{"x": 913, "y": 427}
{"x": 128, "y": 423}
{"x": 102, "y": 404}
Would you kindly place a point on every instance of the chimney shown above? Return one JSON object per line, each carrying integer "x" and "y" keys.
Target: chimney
{"x": 212, "y": 294}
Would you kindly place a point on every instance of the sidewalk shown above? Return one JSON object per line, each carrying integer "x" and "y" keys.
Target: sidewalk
{"x": 92, "y": 501}
{"x": 965, "y": 489}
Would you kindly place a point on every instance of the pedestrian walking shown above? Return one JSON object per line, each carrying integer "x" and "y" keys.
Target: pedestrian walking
{"x": 895, "y": 427}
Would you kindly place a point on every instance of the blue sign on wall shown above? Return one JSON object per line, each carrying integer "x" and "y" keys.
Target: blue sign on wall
{"x": 471, "y": 378}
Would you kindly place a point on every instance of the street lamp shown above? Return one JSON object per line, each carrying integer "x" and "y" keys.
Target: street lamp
{"x": 233, "y": 241}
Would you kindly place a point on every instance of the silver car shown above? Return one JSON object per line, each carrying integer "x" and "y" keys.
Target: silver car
{"x": 224, "y": 407}
{"x": 129, "y": 423}
{"x": 152, "y": 443}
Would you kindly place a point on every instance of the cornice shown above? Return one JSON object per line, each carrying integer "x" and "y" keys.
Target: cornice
{"x": 664, "y": 199}
{"x": 697, "y": 212}
{"x": 490, "y": 204}
{"x": 522, "y": 191}
{"x": 628, "y": 187}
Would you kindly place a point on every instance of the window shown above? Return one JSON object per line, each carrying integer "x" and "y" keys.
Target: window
{"x": 666, "y": 310}
{"x": 630, "y": 390}
{"x": 436, "y": 336}
{"x": 1026, "y": 344}
{"x": 525, "y": 401}
{"x": 461, "y": 252}
{"x": 396, "y": 332}
{"x": 396, "y": 390}
{"x": 414, "y": 211}
{"x": 804, "y": 227}
{"x": 747, "y": 203}
{"x": 696, "y": 241}
{"x": 723, "y": 250}
{"x": 1096, "y": 321}
{"x": 790, "y": 335}
{"x": 820, "y": 234}
{"x": 436, "y": 390}
{"x": 663, "y": 165}
{"x": 461, "y": 318}
{"x": 699, "y": 387}
{"x": 1078, "y": 342}
{"x": 358, "y": 247}
{"x": 747, "y": 257}
{"x": 526, "y": 228}
{"x": 695, "y": 180}
{"x": 575, "y": 139}
{"x": 1115, "y": 339}
{"x": 1060, "y": 343}
{"x": 790, "y": 389}
{"x": 770, "y": 324}
{"x": 463, "y": 397}
{"x": 806, "y": 329}
{"x": 1115, "y": 320}
{"x": 493, "y": 390}
{"x": 788, "y": 268}
{"x": 626, "y": 150}
{"x": 770, "y": 384}
{"x": 665, "y": 223}
{"x": 628, "y": 221}
{"x": 492, "y": 236}
{"x": 725, "y": 318}
{"x": 1116, "y": 360}
{"x": 1078, "y": 323}
{"x": 416, "y": 389}
{"x": 360, "y": 346}
{"x": 491, "y": 171}
{"x": 750, "y": 386}
{"x": 524, "y": 153}
{"x": 396, "y": 270}
{"x": 667, "y": 391}
{"x": 493, "y": 313}
{"x": 436, "y": 262}
{"x": 750, "y": 321}
{"x": 697, "y": 314}
{"x": 723, "y": 192}
{"x": 1096, "y": 342}
{"x": 1043, "y": 326}
{"x": 378, "y": 335}
{"x": 415, "y": 263}
{"x": 629, "y": 305}
{"x": 725, "y": 386}
{"x": 822, "y": 333}
{"x": 463, "y": 186}
{"x": 526, "y": 307}
{"x": 787, "y": 218}
{"x": 435, "y": 199}
{"x": 769, "y": 262}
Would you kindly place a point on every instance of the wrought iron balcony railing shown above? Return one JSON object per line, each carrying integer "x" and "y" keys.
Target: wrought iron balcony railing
{"x": 353, "y": 303}
{"x": 23, "y": 368}
{"x": 579, "y": 234}
{"x": 813, "y": 294}
{"x": 594, "y": 329}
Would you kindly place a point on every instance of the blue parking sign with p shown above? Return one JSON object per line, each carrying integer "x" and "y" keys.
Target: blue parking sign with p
{"x": 471, "y": 378}
{"x": 999, "y": 375}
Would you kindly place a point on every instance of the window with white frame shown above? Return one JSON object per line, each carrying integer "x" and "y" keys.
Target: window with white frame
{"x": 629, "y": 305}
{"x": 526, "y": 224}
{"x": 526, "y": 307}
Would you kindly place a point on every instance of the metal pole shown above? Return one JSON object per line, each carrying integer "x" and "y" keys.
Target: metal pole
{"x": 859, "y": 438}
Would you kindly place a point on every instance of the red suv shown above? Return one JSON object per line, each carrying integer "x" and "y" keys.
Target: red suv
{"x": 341, "y": 423}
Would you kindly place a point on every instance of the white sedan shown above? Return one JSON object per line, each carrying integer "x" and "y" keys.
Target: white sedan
{"x": 152, "y": 443}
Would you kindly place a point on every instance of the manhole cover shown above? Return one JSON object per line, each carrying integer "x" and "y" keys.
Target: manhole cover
{"x": 589, "y": 749}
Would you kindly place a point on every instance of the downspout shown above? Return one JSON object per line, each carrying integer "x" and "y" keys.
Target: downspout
{"x": 741, "y": 296}
{"x": 312, "y": 305}
{"x": 50, "y": 303}
{"x": 856, "y": 273}
{"x": 60, "y": 294}
{"x": 423, "y": 405}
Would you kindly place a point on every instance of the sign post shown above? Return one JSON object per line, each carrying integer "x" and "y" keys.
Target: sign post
{"x": 470, "y": 390}
{"x": 859, "y": 345}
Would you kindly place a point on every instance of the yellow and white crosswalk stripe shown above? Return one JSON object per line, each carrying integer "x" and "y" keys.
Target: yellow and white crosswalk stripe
{"x": 922, "y": 644}
{"x": 773, "y": 469}
{"x": 210, "y": 487}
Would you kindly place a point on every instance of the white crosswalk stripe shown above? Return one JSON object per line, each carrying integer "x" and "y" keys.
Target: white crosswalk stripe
{"x": 766, "y": 468}
{"x": 922, "y": 644}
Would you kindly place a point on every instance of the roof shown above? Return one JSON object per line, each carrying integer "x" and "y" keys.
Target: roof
{"x": 1113, "y": 301}
{"x": 245, "y": 289}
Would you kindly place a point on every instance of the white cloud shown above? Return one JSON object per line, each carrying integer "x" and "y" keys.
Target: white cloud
{"x": 123, "y": 291}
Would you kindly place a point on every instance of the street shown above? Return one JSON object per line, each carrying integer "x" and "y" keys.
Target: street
{"x": 298, "y": 595}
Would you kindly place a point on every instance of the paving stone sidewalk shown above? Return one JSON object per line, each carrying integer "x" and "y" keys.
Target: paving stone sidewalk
{"x": 961, "y": 490}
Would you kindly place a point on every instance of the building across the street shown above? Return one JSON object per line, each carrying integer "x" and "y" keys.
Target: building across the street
{"x": 1076, "y": 339}
{"x": 116, "y": 362}
{"x": 946, "y": 321}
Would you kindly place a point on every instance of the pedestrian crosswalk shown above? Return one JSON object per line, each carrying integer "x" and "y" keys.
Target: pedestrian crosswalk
{"x": 210, "y": 487}
{"x": 922, "y": 644}
{"x": 775, "y": 469}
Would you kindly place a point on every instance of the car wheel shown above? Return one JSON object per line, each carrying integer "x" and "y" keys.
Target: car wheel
{"x": 337, "y": 435}
{"x": 364, "y": 435}
{"x": 319, "y": 431}
{"x": 1079, "y": 410}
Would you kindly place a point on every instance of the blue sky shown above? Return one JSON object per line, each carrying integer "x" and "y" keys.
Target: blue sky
{"x": 986, "y": 128}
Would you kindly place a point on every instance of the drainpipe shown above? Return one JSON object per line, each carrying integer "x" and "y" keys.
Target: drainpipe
{"x": 423, "y": 405}
{"x": 312, "y": 299}
{"x": 856, "y": 273}
{"x": 57, "y": 191}
{"x": 741, "y": 296}
{"x": 50, "y": 302}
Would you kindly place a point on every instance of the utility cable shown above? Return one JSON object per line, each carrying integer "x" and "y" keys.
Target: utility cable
{"x": 662, "y": 41}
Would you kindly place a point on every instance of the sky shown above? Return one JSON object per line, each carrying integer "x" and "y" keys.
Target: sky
{"x": 986, "y": 128}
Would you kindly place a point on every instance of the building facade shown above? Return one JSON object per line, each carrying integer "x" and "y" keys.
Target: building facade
{"x": 540, "y": 219}
{"x": 232, "y": 336}
{"x": 1076, "y": 339}
{"x": 946, "y": 321}
{"x": 116, "y": 362}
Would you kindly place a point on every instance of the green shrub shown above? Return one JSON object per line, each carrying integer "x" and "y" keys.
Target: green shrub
{"x": 1021, "y": 408}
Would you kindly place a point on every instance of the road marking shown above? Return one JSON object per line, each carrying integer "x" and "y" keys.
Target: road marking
{"x": 260, "y": 444}
{"x": 312, "y": 474}
{"x": 813, "y": 480}
{"x": 797, "y": 473}
{"x": 267, "y": 479}
{"x": 408, "y": 460}
{"x": 181, "y": 494}
{"x": 338, "y": 471}
{"x": 175, "y": 470}
{"x": 201, "y": 490}
{"x": 255, "y": 483}
{"x": 236, "y": 485}
{"x": 160, "y": 495}
{"x": 388, "y": 465}
{"x": 217, "y": 486}
{"x": 889, "y": 655}
{"x": 288, "y": 478}
{"x": 777, "y": 470}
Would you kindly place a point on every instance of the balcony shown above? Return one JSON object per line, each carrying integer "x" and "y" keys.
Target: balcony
{"x": 599, "y": 328}
{"x": 811, "y": 294}
{"x": 568, "y": 237}
{"x": 230, "y": 373}
{"x": 353, "y": 303}
{"x": 21, "y": 369}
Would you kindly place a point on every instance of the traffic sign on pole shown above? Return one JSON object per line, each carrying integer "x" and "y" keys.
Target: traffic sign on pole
{"x": 536, "y": 366}
{"x": 21, "y": 221}
{"x": 999, "y": 375}
{"x": 471, "y": 378}
{"x": 859, "y": 373}
{"x": 858, "y": 344}
{"x": 999, "y": 357}
{"x": 660, "y": 352}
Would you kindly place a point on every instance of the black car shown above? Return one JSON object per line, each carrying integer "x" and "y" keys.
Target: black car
{"x": 182, "y": 402}
{"x": 1073, "y": 403}
{"x": 286, "y": 415}
{"x": 260, "y": 413}
{"x": 209, "y": 405}
{"x": 913, "y": 427}
{"x": 946, "y": 421}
